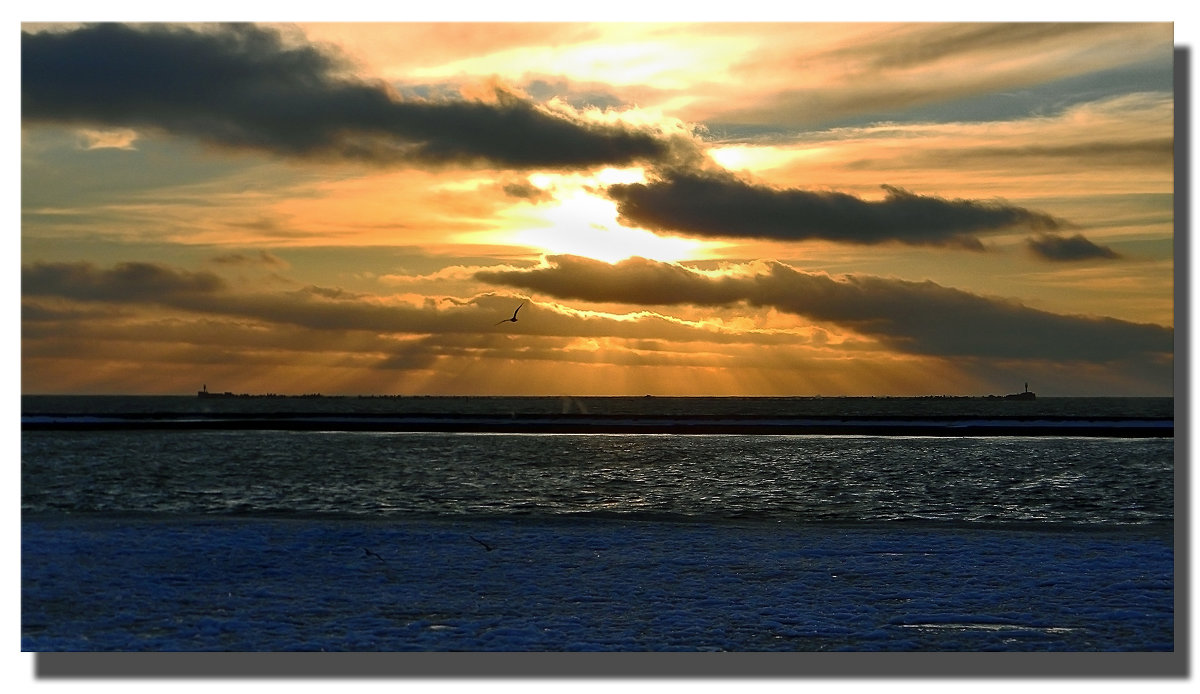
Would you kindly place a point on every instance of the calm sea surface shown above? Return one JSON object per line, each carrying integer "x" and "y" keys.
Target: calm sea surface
{"x": 789, "y": 478}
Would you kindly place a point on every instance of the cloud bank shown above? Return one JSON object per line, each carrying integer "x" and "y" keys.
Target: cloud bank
{"x": 1067, "y": 249}
{"x": 129, "y": 281}
{"x": 243, "y": 86}
{"x": 912, "y": 317}
{"x": 720, "y": 204}
{"x": 134, "y": 285}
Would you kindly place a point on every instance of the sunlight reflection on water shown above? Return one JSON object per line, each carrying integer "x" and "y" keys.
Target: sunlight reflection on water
{"x": 798, "y": 478}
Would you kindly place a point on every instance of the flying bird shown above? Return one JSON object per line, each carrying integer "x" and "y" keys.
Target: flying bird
{"x": 485, "y": 545}
{"x": 369, "y": 553}
{"x": 514, "y": 318}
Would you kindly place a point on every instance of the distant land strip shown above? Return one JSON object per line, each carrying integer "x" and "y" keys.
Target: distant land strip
{"x": 1127, "y": 427}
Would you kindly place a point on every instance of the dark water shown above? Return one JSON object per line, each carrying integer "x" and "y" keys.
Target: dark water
{"x": 995, "y": 479}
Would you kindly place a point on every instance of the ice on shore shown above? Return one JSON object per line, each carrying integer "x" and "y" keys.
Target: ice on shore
{"x": 242, "y": 584}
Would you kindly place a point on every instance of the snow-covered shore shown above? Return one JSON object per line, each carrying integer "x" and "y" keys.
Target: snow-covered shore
{"x": 528, "y": 584}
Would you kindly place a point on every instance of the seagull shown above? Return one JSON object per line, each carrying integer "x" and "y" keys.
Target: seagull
{"x": 514, "y": 318}
{"x": 485, "y": 545}
{"x": 369, "y": 553}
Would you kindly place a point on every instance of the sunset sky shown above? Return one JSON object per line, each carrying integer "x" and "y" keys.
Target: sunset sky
{"x": 775, "y": 208}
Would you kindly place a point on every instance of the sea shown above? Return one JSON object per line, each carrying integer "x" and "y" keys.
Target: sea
{"x": 231, "y": 522}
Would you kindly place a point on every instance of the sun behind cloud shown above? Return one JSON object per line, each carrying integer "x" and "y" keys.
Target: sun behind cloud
{"x": 583, "y": 224}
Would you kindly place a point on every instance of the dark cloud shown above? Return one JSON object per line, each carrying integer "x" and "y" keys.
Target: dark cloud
{"x": 134, "y": 285}
{"x": 132, "y": 281}
{"x": 1076, "y": 247}
{"x": 914, "y": 317}
{"x": 719, "y": 204}
{"x": 245, "y": 86}
{"x": 527, "y": 191}
{"x": 146, "y": 284}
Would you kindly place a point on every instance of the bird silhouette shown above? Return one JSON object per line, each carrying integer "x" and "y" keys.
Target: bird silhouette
{"x": 485, "y": 545}
{"x": 369, "y": 553}
{"x": 514, "y": 318}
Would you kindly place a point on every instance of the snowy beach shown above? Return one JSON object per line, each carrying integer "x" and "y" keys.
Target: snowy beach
{"x": 136, "y": 584}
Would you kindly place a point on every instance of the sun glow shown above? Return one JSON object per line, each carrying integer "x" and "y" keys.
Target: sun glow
{"x": 585, "y": 225}
{"x": 759, "y": 158}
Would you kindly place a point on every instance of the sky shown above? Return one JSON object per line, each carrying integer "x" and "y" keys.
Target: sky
{"x": 713, "y": 208}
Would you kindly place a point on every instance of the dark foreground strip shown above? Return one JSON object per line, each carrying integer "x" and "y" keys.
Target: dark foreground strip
{"x": 1127, "y": 428}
